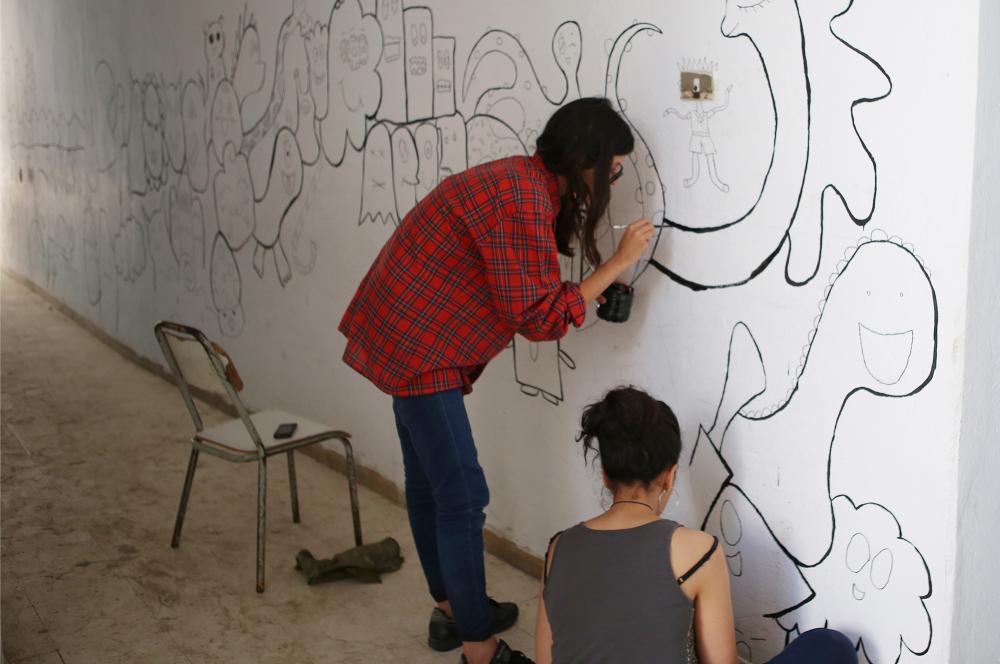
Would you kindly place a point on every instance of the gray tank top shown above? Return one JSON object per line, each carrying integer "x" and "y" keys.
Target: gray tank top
{"x": 611, "y": 597}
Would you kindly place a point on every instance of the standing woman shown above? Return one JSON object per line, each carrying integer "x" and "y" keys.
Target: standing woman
{"x": 473, "y": 264}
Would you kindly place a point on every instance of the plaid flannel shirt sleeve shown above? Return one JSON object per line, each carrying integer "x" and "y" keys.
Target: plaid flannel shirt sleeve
{"x": 522, "y": 270}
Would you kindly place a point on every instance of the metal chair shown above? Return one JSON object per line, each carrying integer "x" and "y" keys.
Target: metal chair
{"x": 197, "y": 362}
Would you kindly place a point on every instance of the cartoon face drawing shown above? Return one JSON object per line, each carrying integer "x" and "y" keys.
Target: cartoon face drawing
{"x": 288, "y": 163}
{"x": 227, "y": 125}
{"x": 892, "y": 317}
{"x": 871, "y": 587}
{"x": 317, "y": 41}
{"x": 377, "y": 201}
{"x": 429, "y": 145}
{"x": 215, "y": 40}
{"x": 405, "y": 163}
{"x": 227, "y": 288}
{"x": 354, "y": 50}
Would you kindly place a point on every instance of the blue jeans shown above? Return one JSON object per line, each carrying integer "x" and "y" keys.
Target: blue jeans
{"x": 446, "y": 493}
{"x": 818, "y": 646}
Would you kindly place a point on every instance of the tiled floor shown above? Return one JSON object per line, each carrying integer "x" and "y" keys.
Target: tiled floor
{"x": 94, "y": 450}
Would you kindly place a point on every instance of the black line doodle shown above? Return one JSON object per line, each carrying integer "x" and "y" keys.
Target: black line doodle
{"x": 418, "y": 53}
{"x": 428, "y": 146}
{"x": 774, "y": 31}
{"x": 186, "y": 219}
{"x": 283, "y": 189}
{"x": 489, "y": 138}
{"x": 110, "y": 116}
{"x": 195, "y": 135}
{"x": 454, "y": 140}
{"x": 538, "y": 368}
{"x": 302, "y": 265}
{"x": 136, "y": 151}
{"x": 651, "y": 193}
{"x": 776, "y": 215}
{"x": 763, "y": 580}
{"x": 249, "y": 71}
{"x": 215, "y": 52}
{"x": 851, "y": 152}
{"x": 872, "y": 576}
{"x": 153, "y": 141}
{"x": 129, "y": 247}
{"x": 444, "y": 76}
{"x": 317, "y": 42}
{"x": 885, "y": 287}
{"x": 225, "y": 120}
{"x": 173, "y": 123}
{"x": 282, "y": 110}
{"x": 391, "y": 67}
{"x": 46, "y": 129}
{"x": 378, "y": 200}
{"x": 232, "y": 190}
{"x": 404, "y": 170}
{"x": 227, "y": 288}
{"x": 520, "y": 100}
{"x": 355, "y": 89}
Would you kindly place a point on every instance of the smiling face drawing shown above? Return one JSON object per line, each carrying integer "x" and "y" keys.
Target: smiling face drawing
{"x": 893, "y": 317}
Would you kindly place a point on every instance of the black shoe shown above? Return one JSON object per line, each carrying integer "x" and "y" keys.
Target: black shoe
{"x": 504, "y": 655}
{"x": 443, "y": 632}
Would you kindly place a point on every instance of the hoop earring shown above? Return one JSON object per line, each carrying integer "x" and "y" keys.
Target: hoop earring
{"x": 659, "y": 500}
{"x": 607, "y": 499}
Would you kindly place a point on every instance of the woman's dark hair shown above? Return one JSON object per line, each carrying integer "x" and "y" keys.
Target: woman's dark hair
{"x": 586, "y": 133}
{"x": 636, "y": 436}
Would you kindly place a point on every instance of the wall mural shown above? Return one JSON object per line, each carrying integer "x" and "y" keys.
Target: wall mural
{"x": 213, "y": 165}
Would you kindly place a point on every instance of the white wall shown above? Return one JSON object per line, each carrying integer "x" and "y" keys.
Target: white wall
{"x": 127, "y": 194}
{"x": 977, "y": 583}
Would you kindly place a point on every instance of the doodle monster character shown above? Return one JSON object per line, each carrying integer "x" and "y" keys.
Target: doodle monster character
{"x": 871, "y": 586}
{"x": 215, "y": 50}
{"x": 877, "y": 333}
{"x": 697, "y": 80}
{"x": 283, "y": 190}
{"x": 227, "y": 288}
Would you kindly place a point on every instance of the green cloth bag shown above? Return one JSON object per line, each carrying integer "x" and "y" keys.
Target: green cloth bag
{"x": 364, "y": 563}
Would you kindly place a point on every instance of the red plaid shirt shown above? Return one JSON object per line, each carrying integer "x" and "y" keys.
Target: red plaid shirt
{"x": 473, "y": 264}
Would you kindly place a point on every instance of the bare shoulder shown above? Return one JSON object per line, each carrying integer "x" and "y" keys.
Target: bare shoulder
{"x": 687, "y": 548}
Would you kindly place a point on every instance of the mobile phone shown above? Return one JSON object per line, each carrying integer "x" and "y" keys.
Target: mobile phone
{"x": 286, "y": 430}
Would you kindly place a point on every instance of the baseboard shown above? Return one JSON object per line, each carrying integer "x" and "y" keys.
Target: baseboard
{"x": 500, "y": 546}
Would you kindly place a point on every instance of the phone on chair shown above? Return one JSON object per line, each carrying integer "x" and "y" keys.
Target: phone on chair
{"x": 286, "y": 430}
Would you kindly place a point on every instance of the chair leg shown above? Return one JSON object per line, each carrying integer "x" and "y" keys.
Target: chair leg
{"x": 352, "y": 482}
{"x": 293, "y": 486}
{"x": 175, "y": 541}
{"x": 261, "y": 519}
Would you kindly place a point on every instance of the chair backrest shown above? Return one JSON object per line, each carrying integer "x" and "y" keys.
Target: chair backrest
{"x": 195, "y": 362}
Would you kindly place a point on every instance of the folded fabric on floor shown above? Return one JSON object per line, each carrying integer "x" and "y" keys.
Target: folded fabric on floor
{"x": 364, "y": 563}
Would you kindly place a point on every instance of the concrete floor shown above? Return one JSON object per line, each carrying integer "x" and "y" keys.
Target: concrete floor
{"x": 94, "y": 451}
